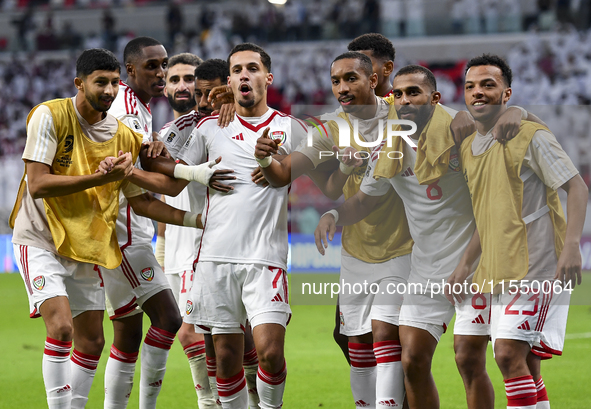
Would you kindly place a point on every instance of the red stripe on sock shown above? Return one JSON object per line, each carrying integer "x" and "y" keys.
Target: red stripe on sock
{"x": 85, "y": 360}
{"x": 128, "y": 358}
{"x": 159, "y": 338}
{"x": 273, "y": 379}
{"x": 542, "y": 393}
{"x": 521, "y": 391}
{"x": 250, "y": 358}
{"x": 387, "y": 351}
{"x": 195, "y": 349}
{"x": 362, "y": 355}
{"x": 54, "y": 347}
{"x": 211, "y": 364}
{"x": 231, "y": 386}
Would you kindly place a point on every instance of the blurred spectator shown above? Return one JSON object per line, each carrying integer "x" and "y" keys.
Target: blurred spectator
{"x": 70, "y": 39}
{"x": 174, "y": 21}
{"x": 47, "y": 40}
{"x": 371, "y": 16}
{"x": 24, "y": 27}
{"x": 415, "y": 16}
{"x": 109, "y": 34}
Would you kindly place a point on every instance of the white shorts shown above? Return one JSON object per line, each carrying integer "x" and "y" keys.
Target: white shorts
{"x": 473, "y": 315}
{"x": 538, "y": 319}
{"x": 225, "y": 295}
{"x": 138, "y": 278}
{"x": 181, "y": 284}
{"x": 366, "y": 293}
{"x": 47, "y": 275}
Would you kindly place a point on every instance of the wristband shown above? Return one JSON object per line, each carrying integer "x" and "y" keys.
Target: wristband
{"x": 200, "y": 173}
{"x": 265, "y": 162}
{"x": 334, "y": 213}
{"x": 159, "y": 253}
{"x": 347, "y": 170}
{"x": 190, "y": 219}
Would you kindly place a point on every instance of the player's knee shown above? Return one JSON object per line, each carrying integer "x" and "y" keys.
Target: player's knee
{"x": 62, "y": 331}
{"x": 186, "y": 336}
{"x": 468, "y": 364}
{"x": 271, "y": 359}
{"x": 415, "y": 362}
{"x": 506, "y": 358}
{"x": 95, "y": 344}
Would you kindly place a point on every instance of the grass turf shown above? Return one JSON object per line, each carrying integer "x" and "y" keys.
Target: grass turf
{"x": 318, "y": 375}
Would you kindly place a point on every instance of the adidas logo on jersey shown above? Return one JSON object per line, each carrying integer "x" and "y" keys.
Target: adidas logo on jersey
{"x": 390, "y": 403}
{"x": 408, "y": 172}
{"x": 64, "y": 389}
{"x": 524, "y": 326}
{"x": 361, "y": 404}
{"x": 277, "y": 298}
{"x": 198, "y": 387}
{"x": 478, "y": 320}
{"x": 238, "y": 137}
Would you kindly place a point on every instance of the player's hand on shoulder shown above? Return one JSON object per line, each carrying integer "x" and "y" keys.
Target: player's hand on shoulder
{"x": 266, "y": 146}
{"x": 462, "y": 126}
{"x": 226, "y": 114}
{"x": 324, "y": 232}
{"x": 219, "y": 96}
{"x": 155, "y": 149}
{"x": 507, "y": 127}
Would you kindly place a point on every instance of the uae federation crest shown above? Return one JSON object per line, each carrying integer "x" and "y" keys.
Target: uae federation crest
{"x": 147, "y": 273}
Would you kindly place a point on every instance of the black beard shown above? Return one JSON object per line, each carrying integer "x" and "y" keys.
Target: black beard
{"x": 95, "y": 105}
{"x": 184, "y": 106}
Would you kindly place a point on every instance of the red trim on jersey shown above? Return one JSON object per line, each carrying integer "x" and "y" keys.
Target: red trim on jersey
{"x": 128, "y": 228}
{"x": 205, "y": 119}
{"x": 389, "y": 93}
{"x": 259, "y": 126}
{"x": 284, "y": 115}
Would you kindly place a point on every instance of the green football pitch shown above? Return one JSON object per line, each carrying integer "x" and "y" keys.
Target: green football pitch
{"x": 318, "y": 375}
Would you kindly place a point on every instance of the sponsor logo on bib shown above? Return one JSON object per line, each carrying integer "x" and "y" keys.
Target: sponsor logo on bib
{"x": 39, "y": 282}
{"x": 147, "y": 273}
{"x": 189, "y": 308}
{"x": 454, "y": 162}
{"x": 170, "y": 137}
{"x": 278, "y": 135}
{"x": 136, "y": 125}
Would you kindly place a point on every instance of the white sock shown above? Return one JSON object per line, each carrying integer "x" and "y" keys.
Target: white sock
{"x": 211, "y": 374}
{"x": 271, "y": 387}
{"x": 521, "y": 392}
{"x": 232, "y": 391}
{"x": 196, "y": 355}
{"x": 390, "y": 375}
{"x": 57, "y": 374}
{"x": 83, "y": 370}
{"x": 363, "y": 374}
{"x": 119, "y": 378}
{"x": 542, "y": 396}
{"x": 251, "y": 366}
{"x": 155, "y": 351}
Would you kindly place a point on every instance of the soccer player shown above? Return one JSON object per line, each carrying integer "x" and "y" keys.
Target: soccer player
{"x": 381, "y": 53}
{"x": 64, "y": 221}
{"x": 251, "y": 220}
{"x": 522, "y": 232}
{"x": 370, "y": 321}
{"x": 139, "y": 281}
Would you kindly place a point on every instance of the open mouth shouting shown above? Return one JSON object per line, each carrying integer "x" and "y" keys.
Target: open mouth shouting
{"x": 346, "y": 100}
{"x": 245, "y": 89}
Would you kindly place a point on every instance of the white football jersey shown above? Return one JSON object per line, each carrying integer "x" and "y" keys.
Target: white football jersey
{"x": 133, "y": 112}
{"x": 249, "y": 224}
{"x": 440, "y": 217}
{"x": 182, "y": 243}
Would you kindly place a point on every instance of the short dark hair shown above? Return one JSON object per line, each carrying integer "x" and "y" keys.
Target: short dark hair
{"x": 494, "y": 60}
{"x": 184, "y": 58}
{"x": 96, "y": 59}
{"x": 418, "y": 69}
{"x": 134, "y": 48}
{"x": 363, "y": 59}
{"x": 379, "y": 45}
{"x": 265, "y": 59}
{"x": 212, "y": 69}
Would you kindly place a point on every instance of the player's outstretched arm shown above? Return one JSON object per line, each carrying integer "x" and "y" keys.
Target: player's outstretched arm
{"x": 569, "y": 263}
{"x": 147, "y": 205}
{"x": 464, "y": 268}
{"x": 42, "y": 183}
{"x": 355, "y": 209}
